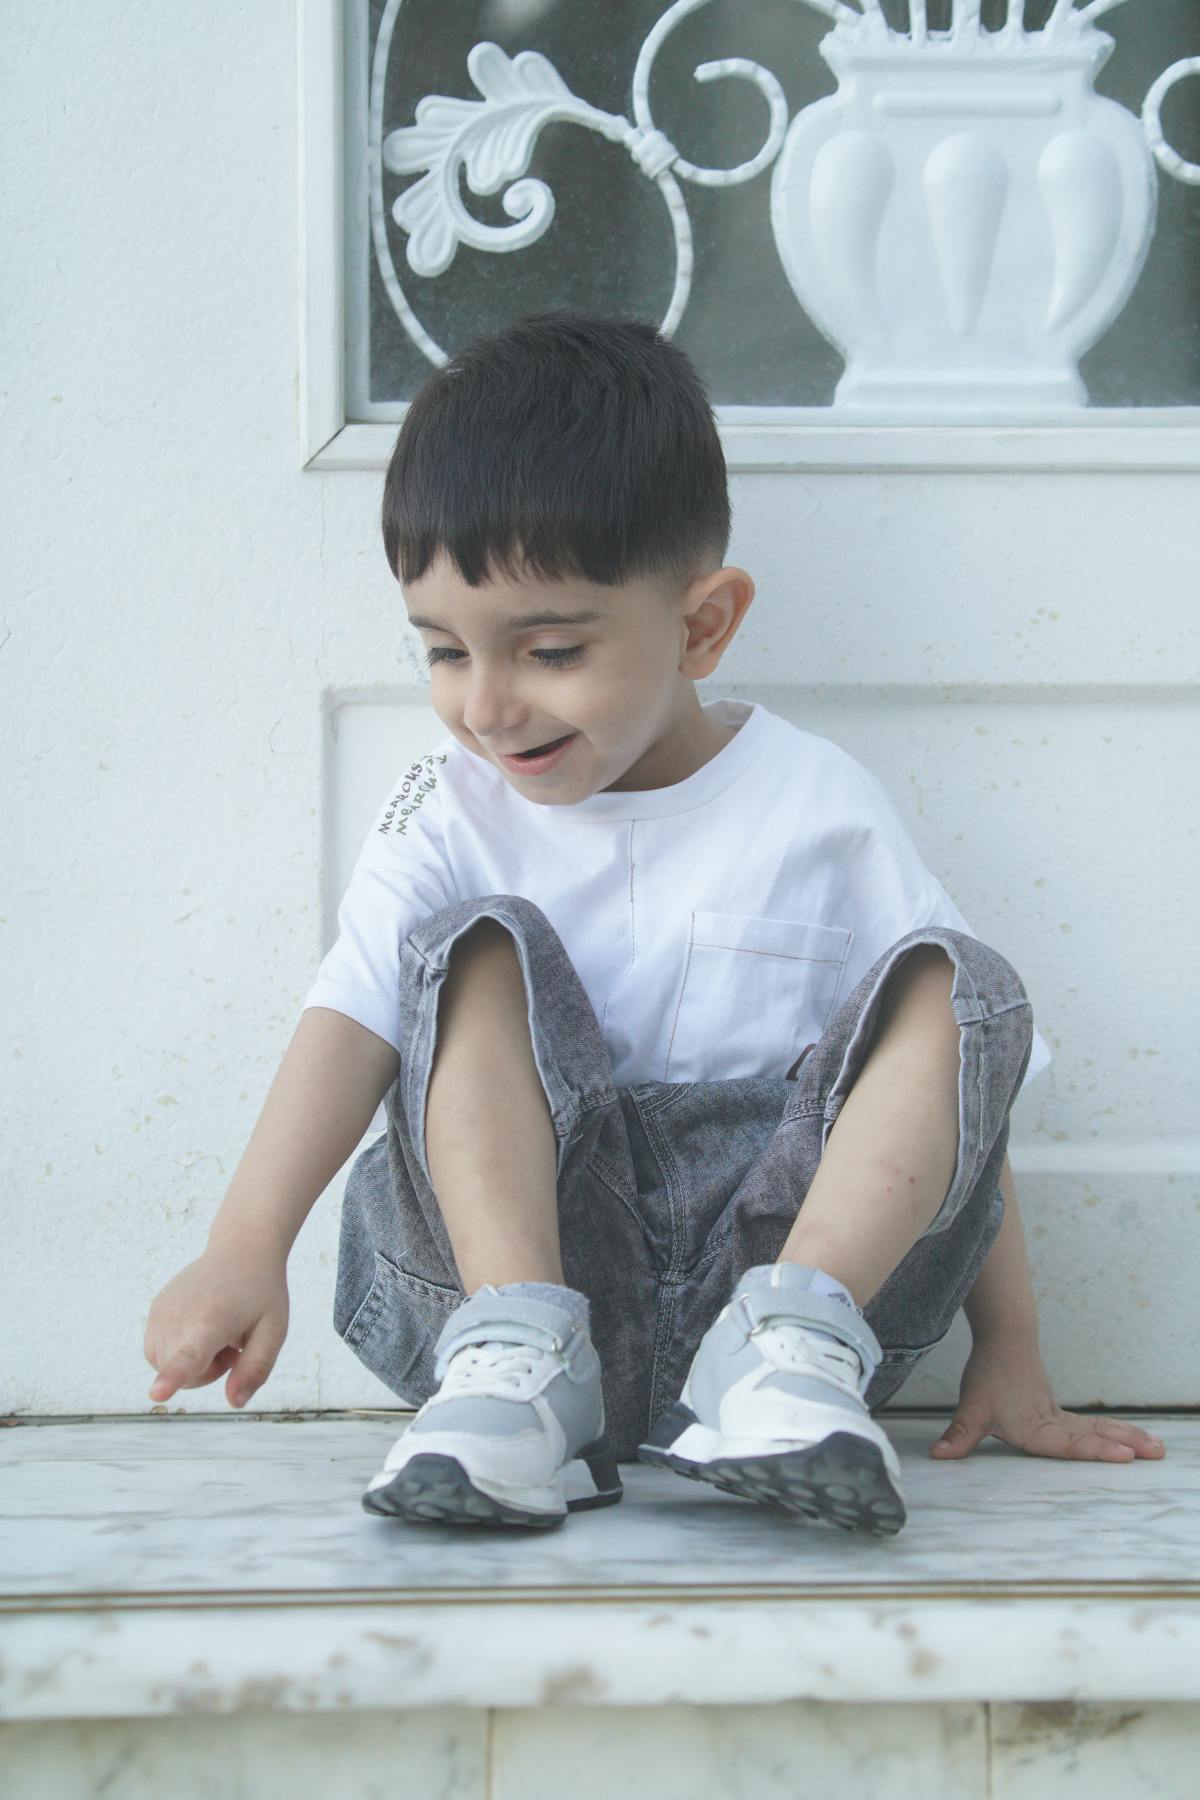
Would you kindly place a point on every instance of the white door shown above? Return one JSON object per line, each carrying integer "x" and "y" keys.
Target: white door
{"x": 938, "y": 267}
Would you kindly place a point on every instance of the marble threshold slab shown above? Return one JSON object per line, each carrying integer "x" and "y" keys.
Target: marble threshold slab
{"x": 220, "y": 1563}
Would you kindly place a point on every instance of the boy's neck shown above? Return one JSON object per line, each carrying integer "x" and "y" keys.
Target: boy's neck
{"x": 692, "y": 741}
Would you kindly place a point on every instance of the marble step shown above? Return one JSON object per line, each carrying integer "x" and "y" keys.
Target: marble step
{"x": 186, "y": 1563}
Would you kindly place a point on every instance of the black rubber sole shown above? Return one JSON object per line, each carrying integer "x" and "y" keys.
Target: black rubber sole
{"x": 434, "y": 1488}
{"x": 842, "y": 1481}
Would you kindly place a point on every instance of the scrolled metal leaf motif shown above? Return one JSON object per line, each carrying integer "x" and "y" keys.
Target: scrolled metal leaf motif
{"x": 492, "y": 138}
{"x": 971, "y": 142}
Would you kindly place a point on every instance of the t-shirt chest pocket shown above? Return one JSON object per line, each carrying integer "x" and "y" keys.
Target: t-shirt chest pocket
{"x": 755, "y": 992}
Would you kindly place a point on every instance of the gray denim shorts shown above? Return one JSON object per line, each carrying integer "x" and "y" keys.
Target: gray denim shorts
{"x": 668, "y": 1191}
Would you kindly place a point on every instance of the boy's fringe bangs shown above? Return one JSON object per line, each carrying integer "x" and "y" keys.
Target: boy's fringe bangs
{"x": 563, "y": 448}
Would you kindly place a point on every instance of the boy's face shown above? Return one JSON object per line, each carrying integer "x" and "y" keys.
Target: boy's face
{"x": 620, "y": 683}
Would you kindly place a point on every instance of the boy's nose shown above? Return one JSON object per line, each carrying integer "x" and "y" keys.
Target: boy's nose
{"x": 487, "y": 718}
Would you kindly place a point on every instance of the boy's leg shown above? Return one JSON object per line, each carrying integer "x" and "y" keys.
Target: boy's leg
{"x": 890, "y": 1157}
{"x": 925, "y": 1069}
{"x": 908, "y": 1053}
{"x": 570, "y": 1195}
{"x": 489, "y": 1138}
{"x": 516, "y": 1429}
{"x": 909, "y": 1256}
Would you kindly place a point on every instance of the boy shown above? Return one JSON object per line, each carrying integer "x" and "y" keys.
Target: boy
{"x": 619, "y": 961}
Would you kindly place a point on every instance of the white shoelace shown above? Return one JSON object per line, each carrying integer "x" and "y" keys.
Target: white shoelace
{"x": 794, "y": 1348}
{"x": 510, "y": 1365}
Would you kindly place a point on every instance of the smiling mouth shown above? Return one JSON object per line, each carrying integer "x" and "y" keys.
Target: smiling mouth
{"x": 541, "y": 749}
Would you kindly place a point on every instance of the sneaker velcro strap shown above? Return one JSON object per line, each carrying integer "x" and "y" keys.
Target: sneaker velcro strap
{"x": 508, "y": 1319}
{"x": 760, "y": 1305}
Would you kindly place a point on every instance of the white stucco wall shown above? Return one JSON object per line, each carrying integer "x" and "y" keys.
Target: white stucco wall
{"x": 182, "y": 605}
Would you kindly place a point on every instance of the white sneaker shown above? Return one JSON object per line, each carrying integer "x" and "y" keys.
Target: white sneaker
{"x": 515, "y": 1432}
{"x": 774, "y": 1412}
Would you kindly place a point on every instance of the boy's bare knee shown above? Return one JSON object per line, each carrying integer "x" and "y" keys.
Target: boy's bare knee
{"x": 485, "y": 938}
{"x": 930, "y": 962}
{"x": 923, "y": 976}
{"x": 485, "y": 961}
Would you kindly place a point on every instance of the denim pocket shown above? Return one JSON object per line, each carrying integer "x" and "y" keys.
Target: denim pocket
{"x": 395, "y": 1330}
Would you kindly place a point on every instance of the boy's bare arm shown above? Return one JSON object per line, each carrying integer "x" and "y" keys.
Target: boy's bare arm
{"x": 1001, "y": 1303}
{"x": 333, "y": 1075}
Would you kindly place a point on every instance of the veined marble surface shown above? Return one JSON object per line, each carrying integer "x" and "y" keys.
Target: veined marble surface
{"x": 243, "y": 1504}
{"x": 181, "y": 1563}
{"x": 954, "y": 1751}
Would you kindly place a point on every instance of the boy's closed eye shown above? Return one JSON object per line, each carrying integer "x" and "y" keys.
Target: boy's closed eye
{"x": 557, "y": 658}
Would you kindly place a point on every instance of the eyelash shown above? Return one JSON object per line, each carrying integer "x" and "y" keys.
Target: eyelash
{"x": 559, "y": 659}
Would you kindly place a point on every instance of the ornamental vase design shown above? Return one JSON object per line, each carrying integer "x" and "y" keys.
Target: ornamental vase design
{"x": 963, "y": 220}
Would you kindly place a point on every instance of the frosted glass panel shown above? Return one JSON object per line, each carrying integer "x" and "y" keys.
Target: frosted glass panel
{"x": 764, "y": 334}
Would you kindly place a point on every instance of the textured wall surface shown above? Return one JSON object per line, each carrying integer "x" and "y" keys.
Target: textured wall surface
{"x": 187, "y": 615}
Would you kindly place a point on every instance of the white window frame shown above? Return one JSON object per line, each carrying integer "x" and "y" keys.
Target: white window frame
{"x": 753, "y": 437}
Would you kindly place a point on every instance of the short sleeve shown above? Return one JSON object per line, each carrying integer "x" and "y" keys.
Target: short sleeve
{"x": 904, "y": 895}
{"x": 400, "y": 877}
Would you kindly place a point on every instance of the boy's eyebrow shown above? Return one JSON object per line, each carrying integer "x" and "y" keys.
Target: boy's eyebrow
{"x": 523, "y": 621}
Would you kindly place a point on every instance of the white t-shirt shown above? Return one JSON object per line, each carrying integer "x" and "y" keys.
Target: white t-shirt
{"x": 716, "y": 924}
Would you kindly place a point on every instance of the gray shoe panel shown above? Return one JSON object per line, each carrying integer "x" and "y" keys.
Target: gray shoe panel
{"x": 487, "y": 1307}
{"x": 726, "y": 1354}
{"x": 723, "y": 1357}
{"x": 808, "y": 1387}
{"x": 489, "y": 1317}
{"x": 477, "y": 1412}
{"x": 824, "y": 1311}
{"x": 579, "y": 1405}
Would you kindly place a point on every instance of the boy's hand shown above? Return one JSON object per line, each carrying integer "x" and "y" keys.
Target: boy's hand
{"x": 224, "y": 1311}
{"x": 1005, "y": 1393}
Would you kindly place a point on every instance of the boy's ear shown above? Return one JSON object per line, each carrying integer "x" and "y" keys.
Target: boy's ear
{"x": 727, "y": 592}
{"x": 713, "y": 618}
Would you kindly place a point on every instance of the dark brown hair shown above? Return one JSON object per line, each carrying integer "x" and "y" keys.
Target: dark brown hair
{"x": 561, "y": 446}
